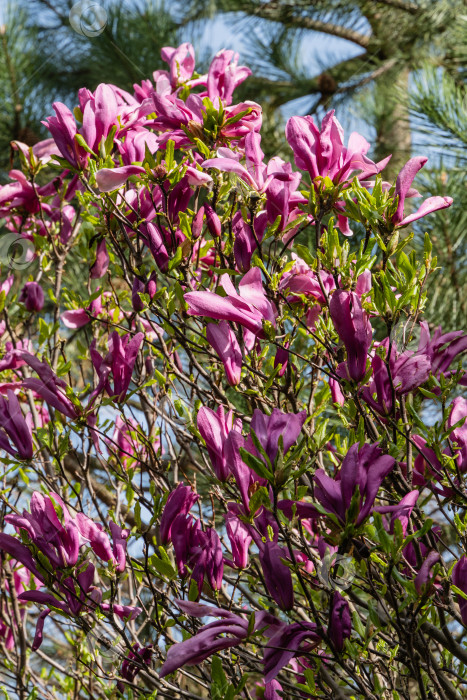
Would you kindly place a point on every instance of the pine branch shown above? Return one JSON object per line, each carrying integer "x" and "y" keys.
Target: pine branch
{"x": 273, "y": 12}
{"x": 438, "y": 104}
{"x": 410, "y": 7}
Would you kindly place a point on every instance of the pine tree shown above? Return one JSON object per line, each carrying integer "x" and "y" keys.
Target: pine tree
{"x": 44, "y": 59}
{"x": 393, "y": 38}
{"x": 438, "y": 103}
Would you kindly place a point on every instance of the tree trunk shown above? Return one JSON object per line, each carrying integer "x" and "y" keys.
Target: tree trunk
{"x": 392, "y": 121}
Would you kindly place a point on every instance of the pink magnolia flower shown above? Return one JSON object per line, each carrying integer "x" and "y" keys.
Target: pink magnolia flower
{"x": 57, "y": 538}
{"x": 277, "y": 576}
{"x": 301, "y": 279}
{"x": 365, "y": 467}
{"x": 354, "y": 329}
{"x": 77, "y": 318}
{"x": 245, "y": 242}
{"x": 269, "y": 429}
{"x": 225, "y": 75}
{"x": 132, "y": 147}
{"x": 321, "y": 152}
{"x": 215, "y": 428}
{"x": 12, "y": 358}
{"x": 79, "y": 594}
{"x": 423, "y": 579}
{"x": 100, "y": 114}
{"x": 49, "y": 387}
{"x": 119, "y": 542}
{"x": 109, "y": 179}
{"x": 181, "y": 62}
{"x": 249, "y": 306}
{"x": 179, "y": 502}
{"x": 119, "y": 362}
{"x": 408, "y": 372}
{"x": 441, "y": 348}
{"x": 15, "y": 428}
{"x": 95, "y": 534}
{"x": 63, "y": 129}
{"x": 286, "y": 643}
{"x": 200, "y": 549}
{"x": 43, "y": 151}
{"x": 239, "y": 537}
{"x": 7, "y": 284}
{"x": 253, "y": 172}
{"x": 176, "y": 118}
{"x": 23, "y": 196}
{"x": 401, "y": 511}
{"x": 245, "y": 124}
{"x": 227, "y": 632}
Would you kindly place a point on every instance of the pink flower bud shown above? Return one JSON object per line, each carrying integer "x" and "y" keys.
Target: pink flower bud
{"x": 32, "y": 296}
{"x": 197, "y": 224}
{"x": 101, "y": 264}
{"x": 151, "y": 286}
{"x": 136, "y": 302}
{"x": 213, "y": 222}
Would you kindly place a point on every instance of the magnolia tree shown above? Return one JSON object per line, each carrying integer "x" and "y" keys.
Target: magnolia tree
{"x": 233, "y": 450}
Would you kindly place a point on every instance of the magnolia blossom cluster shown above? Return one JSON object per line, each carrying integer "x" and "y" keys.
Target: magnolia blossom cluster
{"x": 213, "y": 325}
{"x": 54, "y": 553}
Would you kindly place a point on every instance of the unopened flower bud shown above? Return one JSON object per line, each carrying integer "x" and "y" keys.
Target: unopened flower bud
{"x": 151, "y": 286}
{"x": 197, "y": 224}
{"x": 136, "y": 301}
{"x": 177, "y": 361}
{"x": 149, "y": 366}
{"x": 196, "y": 129}
{"x": 101, "y": 264}
{"x": 32, "y": 296}
{"x": 213, "y": 222}
{"x": 160, "y": 171}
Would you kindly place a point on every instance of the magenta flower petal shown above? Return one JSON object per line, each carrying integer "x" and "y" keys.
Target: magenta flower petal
{"x": 222, "y": 338}
{"x": 75, "y": 318}
{"x": 427, "y": 207}
{"x": 101, "y": 264}
{"x": 404, "y": 182}
{"x": 179, "y": 502}
{"x": 109, "y": 179}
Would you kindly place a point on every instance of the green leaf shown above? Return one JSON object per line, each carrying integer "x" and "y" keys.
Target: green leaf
{"x": 193, "y": 593}
{"x": 163, "y": 567}
{"x": 169, "y": 154}
{"x": 219, "y": 683}
{"x": 176, "y": 260}
{"x": 305, "y": 254}
{"x": 138, "y": 515}
{"x": 459, "y": 592}
{"x": 257, "y": 465}
{"x": 260, "y": 448}
{"x": 149, "y": 158}
{"x": 273, "y": 375}
{"x": 81, "y": 142}
{"x": 259, "y": 498}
